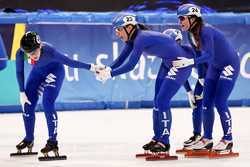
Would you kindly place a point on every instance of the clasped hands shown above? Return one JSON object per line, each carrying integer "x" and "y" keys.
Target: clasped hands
{"x": 102, "y": 73}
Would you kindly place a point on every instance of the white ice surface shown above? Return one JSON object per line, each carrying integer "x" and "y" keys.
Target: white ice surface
{"x": 111, "y": 138}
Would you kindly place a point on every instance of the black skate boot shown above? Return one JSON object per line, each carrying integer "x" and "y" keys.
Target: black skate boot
{"x": 160, "y": 152}
{"x": 146, "y": 149}
{"x": 148, "y": 146}
{"x": 160, "y": 147}
{"x": 51, "y": 146}
{"x": 192, "y": 140}
{"x": 187, "y": 145}
{"x": 22, "y": 145}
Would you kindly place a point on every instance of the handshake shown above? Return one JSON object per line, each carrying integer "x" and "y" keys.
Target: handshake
{"x": 102, "y": 73}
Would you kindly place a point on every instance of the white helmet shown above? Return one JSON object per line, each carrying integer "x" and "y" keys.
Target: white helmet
{"x": 189, "y": 10}
{"x": 173, "y": 33}
{"x": 124, "y": 20}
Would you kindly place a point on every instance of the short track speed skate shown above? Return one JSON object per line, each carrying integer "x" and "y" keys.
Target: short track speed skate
{"x": 201, "y": 149}
{"x": 146, "y": 149}
{"x": 160, "y": 152}
{"x": 223, "y": 150}
{"x": 51, "y": 146}
{"x": 188, "y": 144}
{"x": 22, "y": 145}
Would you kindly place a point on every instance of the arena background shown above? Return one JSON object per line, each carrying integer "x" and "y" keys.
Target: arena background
{"x": 87, "y": 35}
{"x": 121, "y": 5}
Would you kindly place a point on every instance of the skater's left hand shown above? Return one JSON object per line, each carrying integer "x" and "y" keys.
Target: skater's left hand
{"x": 191, "y": 99}
{"x": 201, "y": 81}
{"x": 104, "y": 74}
{"x": 24, "y": 99}
{"x": 95, "y": 68}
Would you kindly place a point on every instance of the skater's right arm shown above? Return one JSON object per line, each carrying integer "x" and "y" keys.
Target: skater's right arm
{"x": 60, "y": 57}
{"x": 133, "y": 59}
{"x": 105, "y": 73}
{"x": 123, "y": 56}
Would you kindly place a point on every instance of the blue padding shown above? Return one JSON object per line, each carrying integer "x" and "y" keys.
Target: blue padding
{"x": 147, "y": 104}
{"x": 115, "y": 105}
{"x": 10, "y": 109}
{"x": 112, "y": 105}
{"x": 12, "y": 18}
{"x": 78, "y": 106}
{"x": 107, "y": 17}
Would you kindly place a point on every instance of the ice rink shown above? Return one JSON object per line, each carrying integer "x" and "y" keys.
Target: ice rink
{"x": 111, "y": 138}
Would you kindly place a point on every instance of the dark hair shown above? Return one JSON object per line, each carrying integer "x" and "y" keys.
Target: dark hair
{"x": 196, "y": 28}
{"x": 197, "y": 24}
{"x": 142, "y": 26}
